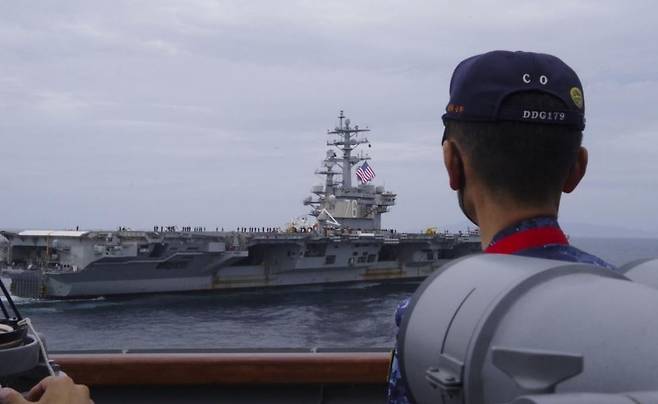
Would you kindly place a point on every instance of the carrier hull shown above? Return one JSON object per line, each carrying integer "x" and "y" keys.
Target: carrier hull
{"x": 275, "y": 262}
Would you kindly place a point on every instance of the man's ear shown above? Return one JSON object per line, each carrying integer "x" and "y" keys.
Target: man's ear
{"x": 577, "y": 171}
{"x": 454, "y": 165}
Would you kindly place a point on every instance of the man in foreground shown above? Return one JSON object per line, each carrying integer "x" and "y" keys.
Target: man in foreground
{"x": 511, "y": 147}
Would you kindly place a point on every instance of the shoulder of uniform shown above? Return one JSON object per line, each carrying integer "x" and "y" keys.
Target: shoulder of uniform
{"x": 400, "y": 310}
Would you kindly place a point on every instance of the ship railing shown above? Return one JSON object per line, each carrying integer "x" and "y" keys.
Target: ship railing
{"x": 290, "y": 375}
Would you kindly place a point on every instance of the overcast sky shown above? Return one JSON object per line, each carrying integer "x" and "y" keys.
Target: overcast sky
{"x": 215, "y": 112}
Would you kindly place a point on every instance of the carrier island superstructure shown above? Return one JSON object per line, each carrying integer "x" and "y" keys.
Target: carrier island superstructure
{"x": 345, "y": 243}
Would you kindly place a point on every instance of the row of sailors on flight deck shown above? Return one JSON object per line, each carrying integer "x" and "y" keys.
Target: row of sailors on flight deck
{"x": 217, "y": 229}
{"x": 184, "y": 228}
{"x": 259, "y": 229}
{"x": 247, "y": 229}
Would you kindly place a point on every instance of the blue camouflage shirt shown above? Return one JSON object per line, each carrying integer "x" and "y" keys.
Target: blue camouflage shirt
{"x": 397, "y": 393}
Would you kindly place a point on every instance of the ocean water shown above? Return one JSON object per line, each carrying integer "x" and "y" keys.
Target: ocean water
{"x": 333, "y": 316}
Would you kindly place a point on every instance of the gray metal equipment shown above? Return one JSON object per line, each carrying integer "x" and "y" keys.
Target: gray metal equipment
{"x": 501, "y": 328}
{"x": 19, "y": 359}
{"x": 23, "y": 357}
{"x": 642, "y": 271}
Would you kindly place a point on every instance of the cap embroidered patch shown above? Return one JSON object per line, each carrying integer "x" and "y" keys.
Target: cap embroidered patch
{"x": 577, "y": 97}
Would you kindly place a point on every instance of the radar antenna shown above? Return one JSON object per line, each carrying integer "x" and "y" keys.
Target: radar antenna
{"x": 340, "y": 204}
{"x": 347, "y": 142}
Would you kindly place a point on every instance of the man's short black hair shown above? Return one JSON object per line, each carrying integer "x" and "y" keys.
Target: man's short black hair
{"x": 528, "y": 162}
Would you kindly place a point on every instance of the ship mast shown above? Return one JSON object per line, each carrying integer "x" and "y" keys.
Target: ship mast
{"x": 347, "y": 142}
{"x": 341, "y": 204}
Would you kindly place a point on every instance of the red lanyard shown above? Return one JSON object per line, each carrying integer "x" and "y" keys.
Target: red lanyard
{"x": 527, "y": 239}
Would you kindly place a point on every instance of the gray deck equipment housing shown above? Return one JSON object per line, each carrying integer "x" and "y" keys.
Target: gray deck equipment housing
{"x": 20, "y": 359}
{"x": 501, "y": 328}
{"x": 642, "y": 271}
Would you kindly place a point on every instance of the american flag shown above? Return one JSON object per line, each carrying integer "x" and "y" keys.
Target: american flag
{"x": 365, "y": 173}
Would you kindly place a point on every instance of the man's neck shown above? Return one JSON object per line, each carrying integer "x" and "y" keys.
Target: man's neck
{"x": 493, "y": 217}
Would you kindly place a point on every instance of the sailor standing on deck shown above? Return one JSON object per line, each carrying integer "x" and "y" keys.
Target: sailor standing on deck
{"x": 511, "y": 147}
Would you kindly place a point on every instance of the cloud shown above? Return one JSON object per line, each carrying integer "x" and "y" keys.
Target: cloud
{"x": 216, "y": 111}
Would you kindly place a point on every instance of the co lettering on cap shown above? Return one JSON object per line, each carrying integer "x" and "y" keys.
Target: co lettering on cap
{"x": 543, "y": 80}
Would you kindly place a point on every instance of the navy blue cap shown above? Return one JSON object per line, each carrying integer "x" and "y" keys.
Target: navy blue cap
{"x": 481, "y": 83}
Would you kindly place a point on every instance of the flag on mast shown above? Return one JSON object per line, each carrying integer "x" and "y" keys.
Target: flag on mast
{"x": 365, "y": 173}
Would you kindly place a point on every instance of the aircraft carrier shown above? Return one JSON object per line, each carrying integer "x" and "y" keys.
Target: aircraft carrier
{"x": 345, "y": 243}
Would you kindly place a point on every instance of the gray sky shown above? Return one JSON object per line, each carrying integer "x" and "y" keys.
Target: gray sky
{"x": 215, "y": 112}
